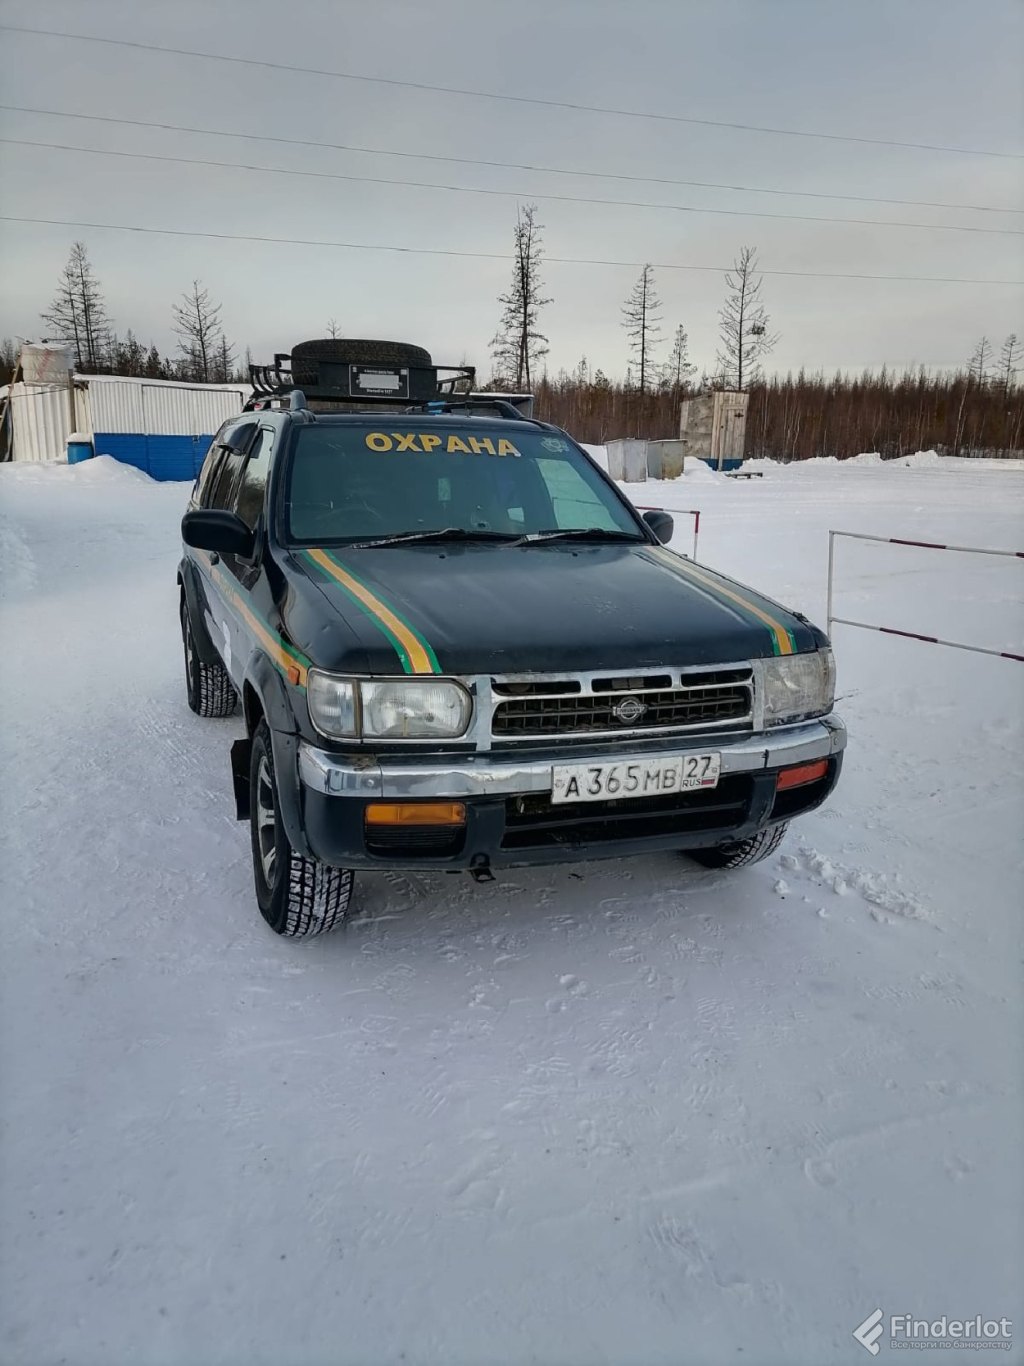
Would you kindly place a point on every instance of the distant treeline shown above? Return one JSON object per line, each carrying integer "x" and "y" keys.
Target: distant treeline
{"x": 807, "y": 415}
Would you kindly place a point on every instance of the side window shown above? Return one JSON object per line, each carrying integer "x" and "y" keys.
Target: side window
{"x": 201, "y": 490}
{"x": 254, "y": 477}
{"x": 222, "y": 483}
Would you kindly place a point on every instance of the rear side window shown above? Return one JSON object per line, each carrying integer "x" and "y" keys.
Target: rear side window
{"x": 253, "y": 486}
{"x": 200, "y": 493}
{"x": 222, "y": 480}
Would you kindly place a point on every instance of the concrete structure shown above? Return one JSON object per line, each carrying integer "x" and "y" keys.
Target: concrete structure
{"x": 713, "y": 428}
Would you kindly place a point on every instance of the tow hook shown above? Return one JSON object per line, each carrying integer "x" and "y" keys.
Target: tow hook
{"x": 479, "y": 869}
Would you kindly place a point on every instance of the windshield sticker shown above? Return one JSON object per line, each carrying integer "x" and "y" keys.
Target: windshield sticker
{"x": 423, "y": 443}
{"x": 554, "y": 443}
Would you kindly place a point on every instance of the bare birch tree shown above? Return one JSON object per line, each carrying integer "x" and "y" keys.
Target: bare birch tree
{"x": 980, "y": 362}
{"x": 679, "y": 368}
{"x": 642, "y": 321}
{"x": 1009, "y": 362}
{"x": 223, "y": 360}
{"x": 197, "y": 323}
{"x": 78, "y": 314}
{"x": 743, "y": 325}
{"x": 518, "y": 343}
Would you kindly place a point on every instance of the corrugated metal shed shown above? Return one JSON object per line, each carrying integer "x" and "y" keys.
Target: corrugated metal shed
{"x": 161, "y": 407}
{"x": 41, "y": 420}
{"x": 160, "y": 426}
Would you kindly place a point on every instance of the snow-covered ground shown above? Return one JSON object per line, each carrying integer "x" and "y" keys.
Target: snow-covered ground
{"x": 631, "y": 1112}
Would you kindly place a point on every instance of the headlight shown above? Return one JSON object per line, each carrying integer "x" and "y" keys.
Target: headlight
{"x": 798, "y": 686}
{"x": 332, "y": 704}
{"x": 387, "y": 708}
{"x": 394, "y": 709}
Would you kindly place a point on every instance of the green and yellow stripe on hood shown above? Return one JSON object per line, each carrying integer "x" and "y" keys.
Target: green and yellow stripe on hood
{"x": 412, "y": 648}
{"x": 731, "y": 594}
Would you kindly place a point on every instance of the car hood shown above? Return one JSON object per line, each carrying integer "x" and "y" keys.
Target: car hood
{"x": 476, "y": 609}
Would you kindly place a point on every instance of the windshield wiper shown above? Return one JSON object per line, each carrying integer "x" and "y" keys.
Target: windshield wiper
{"x": 451, "y": 533}
{"x": 588, "y": 533}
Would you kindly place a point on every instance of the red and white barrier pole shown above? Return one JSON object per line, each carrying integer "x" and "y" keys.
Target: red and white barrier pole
{"x": 676, "y": 512}
{"x": 913, "y": 635}
{"x": 930, "y": 545}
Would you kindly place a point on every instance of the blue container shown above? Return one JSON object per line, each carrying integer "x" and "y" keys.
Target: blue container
{"x": 79, "y": 448}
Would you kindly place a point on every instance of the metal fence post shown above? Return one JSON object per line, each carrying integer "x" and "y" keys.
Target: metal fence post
{"x": 831, "y": 561}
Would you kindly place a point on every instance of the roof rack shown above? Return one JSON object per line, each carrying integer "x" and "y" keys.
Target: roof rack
{"x": 472, "y": 404}
{"x": 368, "y": 385}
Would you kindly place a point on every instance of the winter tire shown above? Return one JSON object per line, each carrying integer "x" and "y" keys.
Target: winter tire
{"x": 210, "y": 690}
{"x": 298, "y": 896}
{"x": 343, "y": 351}
{"x": 742, "y": 852}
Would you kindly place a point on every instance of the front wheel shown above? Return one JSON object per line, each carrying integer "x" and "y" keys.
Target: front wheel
{"x": 209, "y": 687}
{"x": 741, "y": 852}
{"x": 297, "y": 896}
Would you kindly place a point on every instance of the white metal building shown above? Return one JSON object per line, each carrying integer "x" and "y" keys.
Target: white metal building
{"x": 159, "y": 426}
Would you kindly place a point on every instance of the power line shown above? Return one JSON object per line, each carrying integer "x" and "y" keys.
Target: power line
{"x": 493, "y": 95}
{"x": 505, "y": 165}
{"x": 507, "y": 194}
{"x": 489, "y": 255}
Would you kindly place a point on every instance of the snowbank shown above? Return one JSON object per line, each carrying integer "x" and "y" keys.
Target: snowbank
{"x": 698, "y": 471}
{"x": 105, "y": 469}
{"x": 100, "y": 469}
{"x": 866, "y": 460}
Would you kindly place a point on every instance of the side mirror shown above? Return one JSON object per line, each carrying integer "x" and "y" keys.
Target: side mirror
{"x": 661, "y": 523}
{"x": 217, "y": 530}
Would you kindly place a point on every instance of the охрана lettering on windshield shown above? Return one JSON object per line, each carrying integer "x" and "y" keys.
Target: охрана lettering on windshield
{"x": 425, "y": 443}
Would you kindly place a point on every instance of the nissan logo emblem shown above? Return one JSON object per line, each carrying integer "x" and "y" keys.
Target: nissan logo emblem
{"x": 629, "y": 710}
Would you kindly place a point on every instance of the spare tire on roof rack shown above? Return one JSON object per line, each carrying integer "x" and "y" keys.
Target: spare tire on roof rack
{"x": 335, "y": 373}
{"x": 345, "y": 351}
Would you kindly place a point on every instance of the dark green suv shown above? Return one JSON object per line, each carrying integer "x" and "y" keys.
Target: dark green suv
{"x": 457, "y": 645}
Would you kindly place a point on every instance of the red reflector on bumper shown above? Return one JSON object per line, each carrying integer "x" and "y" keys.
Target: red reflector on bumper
{"x": 800, "y": 774}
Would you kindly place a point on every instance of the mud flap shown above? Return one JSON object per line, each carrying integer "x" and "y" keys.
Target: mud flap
{"x": 241, "y": 753}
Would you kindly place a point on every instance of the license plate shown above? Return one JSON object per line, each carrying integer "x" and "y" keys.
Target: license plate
{"x": 368, "y": 379}
{"x": 634, "y": 778}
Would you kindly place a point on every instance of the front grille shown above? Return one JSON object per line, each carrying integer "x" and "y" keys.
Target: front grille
{"x": 534, "y": 822}
{"x": 703, "y": 699}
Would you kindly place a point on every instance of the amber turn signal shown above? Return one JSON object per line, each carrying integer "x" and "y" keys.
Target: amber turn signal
{"x": 416, "y": 813}
{"x": 801, "y": 774}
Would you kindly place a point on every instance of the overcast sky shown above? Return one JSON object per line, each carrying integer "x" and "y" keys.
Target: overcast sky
{"x": 942, "y": 72}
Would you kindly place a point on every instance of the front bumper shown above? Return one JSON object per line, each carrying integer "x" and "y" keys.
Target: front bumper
{"x": 509, "y": 821}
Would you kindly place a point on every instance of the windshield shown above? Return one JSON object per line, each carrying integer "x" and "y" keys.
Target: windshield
{"x": 368, "y": 482}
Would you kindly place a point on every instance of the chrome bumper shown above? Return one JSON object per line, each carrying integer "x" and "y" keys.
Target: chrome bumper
{"x": 486, "y": 775}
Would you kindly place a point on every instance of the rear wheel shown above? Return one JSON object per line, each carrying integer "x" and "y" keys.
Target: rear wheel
{"x": 298, "y": 896}
{"x": 209, "y": 687}
{"x": 741, "y": 852}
